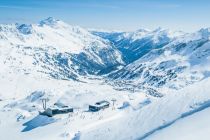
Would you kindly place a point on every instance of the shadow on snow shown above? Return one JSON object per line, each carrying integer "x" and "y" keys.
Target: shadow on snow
{"x": 38, "y": 121}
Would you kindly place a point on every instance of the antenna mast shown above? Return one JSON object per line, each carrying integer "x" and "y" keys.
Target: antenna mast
{"x": 44, "y": 103}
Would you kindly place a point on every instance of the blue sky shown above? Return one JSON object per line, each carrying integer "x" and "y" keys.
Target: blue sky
{"x": 187, "y": 15}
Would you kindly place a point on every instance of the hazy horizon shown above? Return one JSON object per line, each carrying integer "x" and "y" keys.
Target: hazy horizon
{"x": 124, "y": 15}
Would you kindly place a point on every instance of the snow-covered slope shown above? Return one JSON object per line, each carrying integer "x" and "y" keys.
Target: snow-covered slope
{"x": 194, "y": 127}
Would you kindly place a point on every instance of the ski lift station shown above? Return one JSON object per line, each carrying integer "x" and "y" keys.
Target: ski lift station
{"x": 58, "y": 108}
{"x": 50, "y": 112}
{"x": 99, "y": 105}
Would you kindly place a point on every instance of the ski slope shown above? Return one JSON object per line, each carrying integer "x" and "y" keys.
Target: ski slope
{"x": 160, "y": 114}
{"x": 194, "y": 127}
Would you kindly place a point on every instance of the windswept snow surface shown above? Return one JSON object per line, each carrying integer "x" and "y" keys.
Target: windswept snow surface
{"x": 158, "y": 78}
{"x": 195, "y": 127}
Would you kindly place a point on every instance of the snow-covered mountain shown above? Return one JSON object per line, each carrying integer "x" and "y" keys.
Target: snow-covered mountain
{"x": 56, "y": 48}
{"x": 134, "y": 45}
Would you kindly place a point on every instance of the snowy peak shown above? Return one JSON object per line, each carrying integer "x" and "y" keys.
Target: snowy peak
{"x": 135, "y": 35}
{"x": 142, "y": 30}
{"x": 25, "y": 29}
{"x": 155, "y": 35}
{"x": 57, "y": 24}
{"x": 167, "y": 32}
{"x": 50, "y": 21}
{"x": 205, "y": 32}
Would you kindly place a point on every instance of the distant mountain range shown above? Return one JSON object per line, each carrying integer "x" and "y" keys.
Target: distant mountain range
{"x": 160, "y": 59}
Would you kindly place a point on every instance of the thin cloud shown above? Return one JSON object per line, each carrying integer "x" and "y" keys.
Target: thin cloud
{"x": 165, "y": 6}
{"x": 102, "y": 6}
{"x": 169, "y": 6}
{"x": 84, "y": 6}
{"x": 13, "y": 7}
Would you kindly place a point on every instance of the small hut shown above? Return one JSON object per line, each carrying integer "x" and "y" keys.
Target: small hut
{"x": 50, "y": 112}
{"x": 99, "y": 105}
